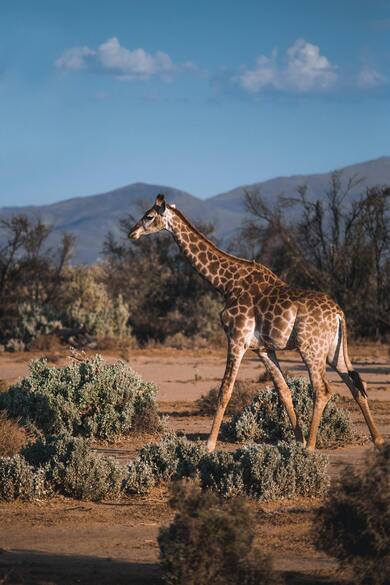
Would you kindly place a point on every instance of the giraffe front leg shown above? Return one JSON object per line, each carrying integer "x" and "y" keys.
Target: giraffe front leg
{"x": 236, "y": 352}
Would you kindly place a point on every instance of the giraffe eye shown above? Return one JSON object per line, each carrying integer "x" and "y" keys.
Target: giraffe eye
{"x": 149, "y": 217}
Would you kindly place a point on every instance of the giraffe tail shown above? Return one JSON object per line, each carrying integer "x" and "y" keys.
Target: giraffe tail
{"x": 352, "y": 373}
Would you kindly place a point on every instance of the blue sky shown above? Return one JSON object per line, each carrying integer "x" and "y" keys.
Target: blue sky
{"x": 203, "y": 96}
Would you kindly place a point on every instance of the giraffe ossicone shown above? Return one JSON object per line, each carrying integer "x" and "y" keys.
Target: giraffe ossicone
{"x": 264, "y": 314}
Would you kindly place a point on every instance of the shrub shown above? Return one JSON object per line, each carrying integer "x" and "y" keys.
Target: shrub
{"x": 210, "y": 541}
{"x": 12, "y": 436}
{"x": 266, "y": 418}
{"x": 271, "y": 472}
{"x": 88, "y": 398}
{"x": 221, "y": 472}
{"x": 85, "y": 289}
{"x": 265, "y": 472}
{"x": 20, "y": 480}
{"x": 354, "y": 523}
{"x": 243, "y": 395}
{"x": 74, "y": 470}
{"x": 34, "y": 320}
{"x": 139, "y": 478}
{"x": 46, "y": 343}
{"x": 172, "y": 457}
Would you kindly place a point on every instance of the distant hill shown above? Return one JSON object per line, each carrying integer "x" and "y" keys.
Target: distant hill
{"x": 90, "y": 218}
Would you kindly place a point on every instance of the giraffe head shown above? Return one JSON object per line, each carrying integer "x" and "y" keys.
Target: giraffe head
{"x": 154, "y": 220}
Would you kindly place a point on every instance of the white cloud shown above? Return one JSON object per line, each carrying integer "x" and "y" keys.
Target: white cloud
{"x": 125, "y": 64}
{"x": 264, "y": 74}
{"x": 190, "y": 67}
{"x": 369, "y": 77}
{"x": 304, "y": 69}
{"x": 75, "y": 58}
{"x": 307, "y": 69}
{"x": 133, "y": 64}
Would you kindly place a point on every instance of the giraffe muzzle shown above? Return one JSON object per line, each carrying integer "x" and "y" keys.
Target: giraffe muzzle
{"x": 134, "y": 233}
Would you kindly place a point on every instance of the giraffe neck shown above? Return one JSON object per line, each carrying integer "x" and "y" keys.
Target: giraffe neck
{"x": 223, "y": 271}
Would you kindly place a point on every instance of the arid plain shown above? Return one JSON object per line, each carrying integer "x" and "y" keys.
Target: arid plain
{"x": 65, "y": 541}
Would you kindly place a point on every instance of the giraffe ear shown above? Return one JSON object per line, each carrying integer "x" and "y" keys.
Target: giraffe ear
{"x": 173, "y": 206}
{"x": 160, "y": 203}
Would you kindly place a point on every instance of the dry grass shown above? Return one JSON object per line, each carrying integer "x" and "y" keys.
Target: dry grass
{"x": 243, "y": 394}
{"x": 49, "y": 343}
{"x": 12, "y": 436}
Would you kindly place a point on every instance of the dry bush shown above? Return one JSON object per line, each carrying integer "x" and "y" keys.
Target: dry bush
{"x": 243, "y": 395}
{"x": 354, "y": 523}
{"x": 47, "y": 343}
{"x": 211, "y": 541}
{"x": 12, "y": 436}
{"x": 116, "y": 344}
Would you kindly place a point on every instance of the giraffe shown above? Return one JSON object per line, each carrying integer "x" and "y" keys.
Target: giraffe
{"x": 264, "y": 314}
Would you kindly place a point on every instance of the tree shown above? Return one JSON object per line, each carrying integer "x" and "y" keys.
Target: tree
{"x": 31, "y": 276}
{"x": 336, "y": 243}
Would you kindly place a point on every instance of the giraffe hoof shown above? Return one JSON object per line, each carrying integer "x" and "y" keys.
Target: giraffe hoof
{"x": 210, "y": 446}
{"x": 379, "y": 441}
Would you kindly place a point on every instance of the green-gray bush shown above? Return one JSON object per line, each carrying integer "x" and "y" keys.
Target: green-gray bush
{"x": 73, "y": 469}
{"x": 221, "y": 472}
{"x": 172, "y": 457}
{"x": 19, "y": 480}
{"x": 34, "y": 319}
{"x": 266, "y": 418}
{"x": 211, "y": 541}
{"x": 139, "y": 478}
{"x": 88, "y": 398}
{"x": 271, "y": 472}
{"x": 265, "y": 472}
{"x": 87, "y": 304}
{"x": 354, "y": 523}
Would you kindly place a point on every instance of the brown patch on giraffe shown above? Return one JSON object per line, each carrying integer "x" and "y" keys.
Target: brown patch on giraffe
{"x": 213, "y": 267}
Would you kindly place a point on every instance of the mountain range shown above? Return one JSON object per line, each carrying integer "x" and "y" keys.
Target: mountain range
{"x": 91, "y": 217}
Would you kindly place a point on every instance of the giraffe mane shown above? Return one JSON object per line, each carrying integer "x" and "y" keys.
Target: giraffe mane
{"x": 209, "y": 242}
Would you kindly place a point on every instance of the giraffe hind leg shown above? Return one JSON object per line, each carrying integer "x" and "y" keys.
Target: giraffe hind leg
{"x": 323, "y": 392}
{"x": 339, "y": 361}
{"x": 358, "y": 382}
{"x": 272, "y": 365}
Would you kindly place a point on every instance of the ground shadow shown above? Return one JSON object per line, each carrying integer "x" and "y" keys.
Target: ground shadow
{"x": 197, "y": 436}
{"x": 28, "y": 567}
{"x": 40, "y": 568}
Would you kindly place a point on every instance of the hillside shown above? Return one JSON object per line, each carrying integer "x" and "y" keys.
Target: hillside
{"x": 90, "y": 218}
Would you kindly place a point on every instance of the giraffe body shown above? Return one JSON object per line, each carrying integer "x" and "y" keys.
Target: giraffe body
{"x": 264, "y": 314}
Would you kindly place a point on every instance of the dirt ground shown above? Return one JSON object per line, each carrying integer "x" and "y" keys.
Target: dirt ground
{"x": 71, "y": 542}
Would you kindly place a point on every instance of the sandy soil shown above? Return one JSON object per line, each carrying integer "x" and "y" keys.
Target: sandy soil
{"x": 64, "y": 541}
